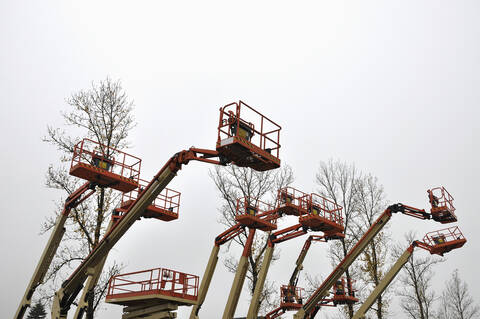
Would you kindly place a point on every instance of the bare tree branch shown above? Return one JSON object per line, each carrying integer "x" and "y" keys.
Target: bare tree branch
{"x": 102, "y": 113}
{"x": 362, "y": 199}
{"x": 456, "y": 301}
{"x": 415, "y": 282}
{"x": 235, "y": 182}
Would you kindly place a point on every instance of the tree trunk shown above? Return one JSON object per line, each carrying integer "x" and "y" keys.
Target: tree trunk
{"x": 349, "y": 288}
{"x": 100, "y": 216}
{"x": 417, "y": 293}
{"x": 91, "y": 295}
{"x": 376, "y": 280}
{"x": 90, "y": 303}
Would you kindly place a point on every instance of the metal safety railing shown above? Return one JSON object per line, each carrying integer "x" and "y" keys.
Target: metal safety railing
{"x": 443, "y": 236}
{"x": 326, "y": 208}
{"x": 256, "y": 208}
{"x": 343, "y": 286}
{"x": 290, "y": 294}
{"x": 106, "y": 158}
{"x": 292, "y": 196}
{"x": 440, "y": 197}
{"x": 241, "y": 120}
{"x": 161, "y": 280}
{"x": 168, "y": 199}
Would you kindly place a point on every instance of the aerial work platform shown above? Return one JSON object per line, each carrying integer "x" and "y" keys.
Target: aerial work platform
{"x": 251, "y": 143}
{"x": 323, "y": 215}
{"x": 105, "y": 166}
{"x": 254, "y": 213}
{"x": 438, "y": 242}
{"x": 153, "y": 287}
{"x": 442, "y": 241}
{"x": 164, "y": 207}
{"x": 340, "y": 295}
{"x": 291, "y": 201}
{"x": 291, "y": 298}
{"x": 442, "y": 210}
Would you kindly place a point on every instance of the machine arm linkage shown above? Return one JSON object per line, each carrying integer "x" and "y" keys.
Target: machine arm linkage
{"x": 93, "y": 277}
{"x": 235, "y": 291}
{"x": 221, "y": 239}
{"x": 193, "y": 153}
{"x": 239, "y": 279}
{"x": 75, "y": 199}
{"x": 277, "y": 312}
{"x": 72, "y": 286}
{"x": 387, "y": 279}
{"x": 292, "y": 283}
{"x": 441, "y": 246}
{"x": 72, "y": 201}
{"x": 303, "y": 253}
{"x": 410, "y": 211}
{"x": 309, "y": 307}
{"x": 287, "y": 233}
{"x": 229, "y": 234}
{"x": 277, "y": 237}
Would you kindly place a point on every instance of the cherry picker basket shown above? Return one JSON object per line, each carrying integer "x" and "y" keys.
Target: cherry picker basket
{"x": 291, "y": 201}
{"x": 291, "y": 298}
{"x": 341, "y": 291}
{"x": 343, "y": 294}
{"x": 165, "y": 206}
{"x": 105, "y": 166}
{"x": 254, "y": 213}
{"x": 444, "y": 240}
{"x": 442, "y": 205}
{"x": 323, "y": 215}
{"x": 157, "y": 286}
{"x": 248, "y": 138}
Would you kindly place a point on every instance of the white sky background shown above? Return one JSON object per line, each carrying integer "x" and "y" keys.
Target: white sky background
{"x": 392, "y": 86}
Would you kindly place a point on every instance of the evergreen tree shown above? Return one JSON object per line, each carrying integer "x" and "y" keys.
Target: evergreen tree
{"x": 37, "y": 312}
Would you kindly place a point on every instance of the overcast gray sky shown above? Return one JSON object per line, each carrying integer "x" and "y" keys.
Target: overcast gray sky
{"x": 392, "y": 86}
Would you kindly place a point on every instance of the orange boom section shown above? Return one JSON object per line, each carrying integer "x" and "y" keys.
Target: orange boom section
{"x": 248, "y": 138}
{"x": 105, "y": 166}
{"x": 156, "y": 286}
{"x": 164, "y": 207}
{"x": 442, "y": 206}
{"x": 254, "y": 213}
{"x": 291, "y": 201}
{"x": 444, "y": 240}
{"x": 323, "y": 215}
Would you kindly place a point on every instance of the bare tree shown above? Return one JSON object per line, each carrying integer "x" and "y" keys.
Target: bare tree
{"x": 102, "y": 113}
{"x": 456, "y": 301}
{"x": 415, "y": 282}
{"x": 370, "y": 203}
{"x": 236, "y": 182}
{"x": 337, "y": 181}
{"x": 363, "y": 200}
